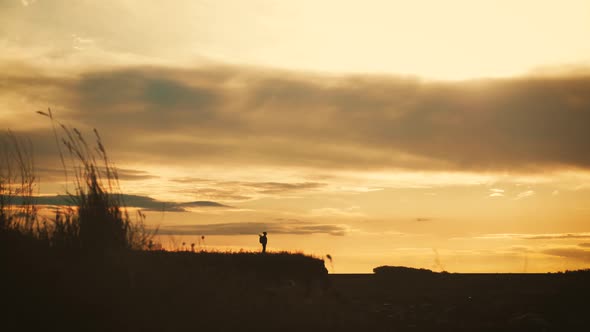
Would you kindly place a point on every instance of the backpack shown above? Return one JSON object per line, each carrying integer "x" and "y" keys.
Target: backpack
{"x": 260, "y": 238}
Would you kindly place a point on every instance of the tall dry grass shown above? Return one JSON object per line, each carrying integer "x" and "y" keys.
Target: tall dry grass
{"x": 99, "y": 220}
{"x": 96, "y": 221}
{"x": 18, "y": 184}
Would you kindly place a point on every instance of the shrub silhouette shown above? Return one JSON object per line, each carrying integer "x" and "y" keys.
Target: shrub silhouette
{"x": 100, "y": 221}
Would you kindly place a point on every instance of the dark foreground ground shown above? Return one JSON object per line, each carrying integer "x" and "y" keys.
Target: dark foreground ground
{"x": 51, "y": 290}
{"x": 470, "y": 302}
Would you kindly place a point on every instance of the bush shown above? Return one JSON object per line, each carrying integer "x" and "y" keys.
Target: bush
{"x": 100, "y": 221}
{"x": 97, "y": 220}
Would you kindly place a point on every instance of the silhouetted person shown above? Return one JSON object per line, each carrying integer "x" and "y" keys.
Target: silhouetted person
{"x": 263, "y": 241}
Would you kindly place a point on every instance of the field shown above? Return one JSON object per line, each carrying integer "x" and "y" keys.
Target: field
{"x": 469, "y": 302}
{"x": 57, "y": 290}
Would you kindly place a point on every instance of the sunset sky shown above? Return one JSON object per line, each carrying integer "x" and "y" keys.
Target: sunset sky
{"x": 448, "y": 135}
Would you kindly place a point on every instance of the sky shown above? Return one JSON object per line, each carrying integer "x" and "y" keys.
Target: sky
{"x": 443, "y": 135}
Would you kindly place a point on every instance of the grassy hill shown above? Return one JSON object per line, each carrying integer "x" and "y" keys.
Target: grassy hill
{"x": 154, "y": 290}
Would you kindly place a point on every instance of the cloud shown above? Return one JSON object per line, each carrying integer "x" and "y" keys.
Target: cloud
{"x": 202, "y": 204}
{"x": 126, "y": 174}
{"x": 585, "y": 245}
{"x": 244, "y": 115}
{"x": 240, "y": 228}
{"x": 352, "y": 211}
{"x": 574, "y": 253}
{"x": 123, "y": 174}
{"x": 191, "y": 180}
{"x": 546, "y": 236}
{"x": 525, "y": 194}
{"x": 136, "y": 201}
{"x": 27, "y": 3}
{"x": 49, "y": 174}
{"x": 220, "y": 194}
{"x": 558, "y": 236}
{"x": 243, "y": 190}
{"x": 148, "y": 203}
{"x": 280, "y": 187}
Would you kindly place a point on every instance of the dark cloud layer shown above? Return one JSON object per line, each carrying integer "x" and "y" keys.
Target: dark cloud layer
{"x": 123, "y": 174}
{"x": 149, "y": 203}
{"x": 573, "y": 253}
{"x": 249, "y": 116}
{"x": 241, "y": 228}
{"x": 142, "y": 202}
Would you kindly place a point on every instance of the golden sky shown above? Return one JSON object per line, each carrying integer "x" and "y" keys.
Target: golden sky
{"x": 437, "y": 134}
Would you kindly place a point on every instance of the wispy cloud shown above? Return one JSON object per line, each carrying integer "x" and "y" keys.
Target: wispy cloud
{"x": 558, "y": 236}
{"x": 27, "y": 3}
{"x": 242, "y": 228}
{"x": 243, "y": 190}
{"x": 50, "y": 174}
{"x": 352, "y": 211}
{"x": 496, "y": 192}
{"x": 544, "y": 236}
{"x": 279, "y": 187}
{"x": 525, "y": 194}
